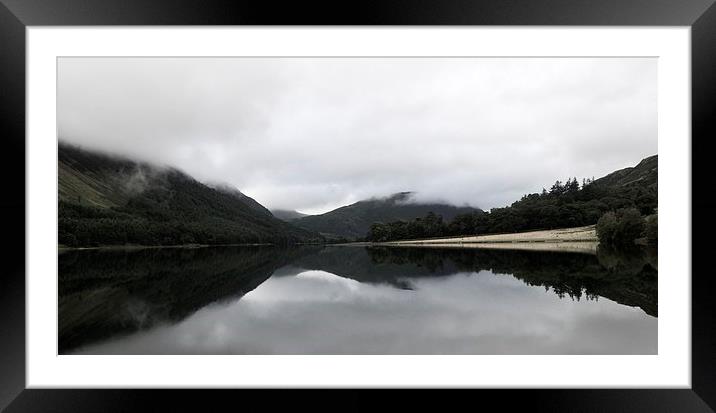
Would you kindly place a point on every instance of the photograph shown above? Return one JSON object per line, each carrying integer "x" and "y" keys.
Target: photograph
{"x": 357, "y": 205}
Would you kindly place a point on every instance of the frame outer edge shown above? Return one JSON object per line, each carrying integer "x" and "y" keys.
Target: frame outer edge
{"x": 703, "y": 103}
{"x": 12, "y": 205}
{"x": 373, "y": 12}
{"x": 12, "y": 101}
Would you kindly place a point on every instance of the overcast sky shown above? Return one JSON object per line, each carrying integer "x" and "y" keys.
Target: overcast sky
{"x": 314, "y": 134}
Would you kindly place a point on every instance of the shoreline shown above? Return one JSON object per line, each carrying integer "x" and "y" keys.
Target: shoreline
{"x": 577, "y": 239}
{"x": 586, "y": 247}
{"x": 576, "y": 234}
{"x": 546, "y": 240}
{"x": 62, "y": 248}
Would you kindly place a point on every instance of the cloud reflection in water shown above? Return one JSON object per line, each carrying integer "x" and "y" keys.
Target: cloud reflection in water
{"x": 316, "y": 312}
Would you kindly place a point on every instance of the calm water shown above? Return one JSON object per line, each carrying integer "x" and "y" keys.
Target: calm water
{"x": 356, "y": 300}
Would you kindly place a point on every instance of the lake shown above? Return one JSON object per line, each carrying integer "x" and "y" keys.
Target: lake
{"x": 356, "y": 300}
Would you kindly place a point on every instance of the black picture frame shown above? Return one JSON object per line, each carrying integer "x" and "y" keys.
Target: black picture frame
{"x": 16, "y": 15}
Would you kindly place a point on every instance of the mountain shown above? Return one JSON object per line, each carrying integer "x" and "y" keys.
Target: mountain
{"x": 287, "y": 215}
{"x": 644, "y": 175}
{"x": 565, "y": 205}
{"x": 250, "y": 202}
{"x": 569, "y": 204}
{"x": 354, "y": 221}
{"x": 109, "y": 200}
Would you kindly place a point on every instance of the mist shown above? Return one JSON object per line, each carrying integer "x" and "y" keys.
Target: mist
{"x": 313, "y": 134}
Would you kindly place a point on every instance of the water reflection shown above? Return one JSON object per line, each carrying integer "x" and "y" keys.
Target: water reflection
{"x": 348, "y": 300}
{"x": 109, "y": 292}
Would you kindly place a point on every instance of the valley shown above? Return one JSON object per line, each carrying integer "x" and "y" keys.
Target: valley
{"x": 110, "y": 201}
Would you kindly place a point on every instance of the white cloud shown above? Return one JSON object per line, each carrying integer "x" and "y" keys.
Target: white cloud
{"x": 314, "y": 134}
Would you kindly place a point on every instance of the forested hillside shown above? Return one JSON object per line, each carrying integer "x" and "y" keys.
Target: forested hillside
{"x": 107, "y": 200}
{"x": 565, "y": 204}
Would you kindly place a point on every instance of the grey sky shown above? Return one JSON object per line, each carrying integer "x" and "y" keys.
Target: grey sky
{"x": 313, "y": 134}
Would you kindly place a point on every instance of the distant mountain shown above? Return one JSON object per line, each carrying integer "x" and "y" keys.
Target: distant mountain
{"x": 354, "y": 221}
{"x": 108, "y": 200}
{"x": 287, "y": 215}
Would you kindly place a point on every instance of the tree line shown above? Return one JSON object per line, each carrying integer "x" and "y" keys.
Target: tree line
{"x": 626, "y": 227}
{"x": 565, "y": 204}
{"x": 84, "y": 226}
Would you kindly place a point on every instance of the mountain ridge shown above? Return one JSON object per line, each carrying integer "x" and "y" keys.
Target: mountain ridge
{"x": 113, "y": 200}
{"x": 566, "y": 205}
{"x": 233, "y": 191}
{"x": 645, "y": 173}
{"x": 287, "y": 214}
{"x": 353, "y": 221}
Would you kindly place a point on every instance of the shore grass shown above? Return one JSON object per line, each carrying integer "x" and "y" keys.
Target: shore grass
{"x": 578, "y": 239}
{"x": 576, "y": 234}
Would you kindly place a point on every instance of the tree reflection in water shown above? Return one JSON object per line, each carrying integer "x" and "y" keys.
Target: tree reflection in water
{"x": 107, "y": 293}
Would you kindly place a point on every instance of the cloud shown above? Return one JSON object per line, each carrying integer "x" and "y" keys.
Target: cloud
{"x": 315, "y": 133}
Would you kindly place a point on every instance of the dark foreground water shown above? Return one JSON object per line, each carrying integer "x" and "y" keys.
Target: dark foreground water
{"x": 356, "y": 300}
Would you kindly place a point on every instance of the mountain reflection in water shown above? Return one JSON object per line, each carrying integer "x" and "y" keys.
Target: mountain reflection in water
{"x": 356, "y": 300}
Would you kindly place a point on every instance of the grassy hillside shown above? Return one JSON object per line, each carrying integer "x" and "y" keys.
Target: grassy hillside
{"x": 106, "y": 200}
{"x": 643, "y": 175}
{"x": 354, "y": 221}
{"x": 565, "y": 205}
